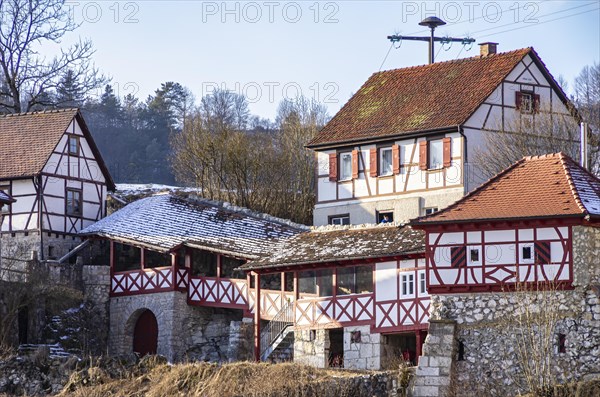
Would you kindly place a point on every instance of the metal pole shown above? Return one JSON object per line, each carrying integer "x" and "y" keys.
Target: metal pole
{"x": 431, "y": 41}
{"x": 583, "y": 146}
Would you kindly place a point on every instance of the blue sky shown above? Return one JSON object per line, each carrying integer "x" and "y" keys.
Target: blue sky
{"x": 274, "y": 49}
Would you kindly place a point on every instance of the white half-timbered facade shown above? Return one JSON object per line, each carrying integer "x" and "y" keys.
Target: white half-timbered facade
{"x": 403, "y": 146}
{"x": 51, "y": 166}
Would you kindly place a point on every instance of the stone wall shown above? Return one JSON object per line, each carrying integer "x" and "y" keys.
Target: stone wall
{"x": 184, "y": 332}
{"x": 312, "y": 347}
{"x": 363, "y": 354}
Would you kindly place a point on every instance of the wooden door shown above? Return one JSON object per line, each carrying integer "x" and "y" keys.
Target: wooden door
{"x": 145, "y": 334}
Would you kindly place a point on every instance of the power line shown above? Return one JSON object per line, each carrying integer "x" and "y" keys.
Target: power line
{"x": 386, "y": 56}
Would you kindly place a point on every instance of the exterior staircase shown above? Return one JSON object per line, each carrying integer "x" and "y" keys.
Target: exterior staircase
{"x": 277, "y": 338}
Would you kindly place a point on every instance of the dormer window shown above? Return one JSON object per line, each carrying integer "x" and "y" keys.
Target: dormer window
{"x": 73, "y": 145}
{"x": 385, "y": 161}
{"x": 527, "y": 102}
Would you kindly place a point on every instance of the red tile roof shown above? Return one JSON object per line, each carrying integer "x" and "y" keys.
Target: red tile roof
{"x": 421, "y": 98}
{"x": 28, "y": 139}
{"x": 546, "y": 186}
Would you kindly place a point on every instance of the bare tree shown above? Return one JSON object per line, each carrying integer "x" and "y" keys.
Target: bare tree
{"x": 27, "y": 78}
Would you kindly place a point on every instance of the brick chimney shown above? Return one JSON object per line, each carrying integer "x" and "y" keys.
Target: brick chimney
{"x": 487, "y": 48}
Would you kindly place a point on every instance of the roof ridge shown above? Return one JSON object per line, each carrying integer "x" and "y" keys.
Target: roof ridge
{"x": 356, "y": 227}
{"x": 194, "y": 198}
{"x": 48, "y": 111}
{"x": 461, "y": 60}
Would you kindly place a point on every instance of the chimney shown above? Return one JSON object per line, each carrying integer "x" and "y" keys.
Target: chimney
{"x": 487, "y": 48}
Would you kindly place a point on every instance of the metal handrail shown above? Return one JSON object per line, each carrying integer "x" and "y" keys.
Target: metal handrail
{"x": 282, "y": 320}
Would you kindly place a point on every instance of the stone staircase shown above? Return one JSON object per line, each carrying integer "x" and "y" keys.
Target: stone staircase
{"x": 277, "y": 338}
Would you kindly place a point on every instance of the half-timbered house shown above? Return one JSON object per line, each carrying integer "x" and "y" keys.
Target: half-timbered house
{"x": 533, "y": 227}
{"x": 357, "y": 296}
{"x": 403, "y": 145}
{"x": 53, "y": 169}
{"x": 175, "y": 287}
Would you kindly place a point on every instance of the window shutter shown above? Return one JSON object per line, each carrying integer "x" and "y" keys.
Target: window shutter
{"x": 536, "y": 103}
{"x": 542, "y": 252}
{"x": 458, "y": 257}
{"x": 396, "y": 159}
{"x": 333, "y": 167}
{"x": 518, "y": 97}
{"x": 355, "y": 164}
{"x": 447, "y": 152}
{"x": 373, "y": 162}
{"x": 423, "y": 155}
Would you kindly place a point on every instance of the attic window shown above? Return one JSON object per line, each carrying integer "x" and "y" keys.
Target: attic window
{"x": 74, "y": 145}
{"x": 527, "y": 102}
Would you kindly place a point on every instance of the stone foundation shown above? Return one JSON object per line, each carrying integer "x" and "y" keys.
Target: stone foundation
{"x": 433, "y": 375}
{"x": 311, "y": 347}
{"x": 363, "y": 354}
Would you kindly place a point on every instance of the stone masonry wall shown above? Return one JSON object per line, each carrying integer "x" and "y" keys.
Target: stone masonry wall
{"x": 184, "y": 332}
{"x": 488, "y": 329}
{"x": 311, "y": 351}
{"x": 365, "y": 354}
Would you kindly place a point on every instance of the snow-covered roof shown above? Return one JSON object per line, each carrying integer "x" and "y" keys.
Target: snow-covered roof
{"x": 164, "y": 222}
{"x": 342, "y": 244}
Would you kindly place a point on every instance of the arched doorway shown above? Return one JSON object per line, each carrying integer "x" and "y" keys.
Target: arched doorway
{"x": 145, "y": 334}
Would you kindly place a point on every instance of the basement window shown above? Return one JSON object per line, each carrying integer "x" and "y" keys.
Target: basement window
{"x": 339, "y": 219}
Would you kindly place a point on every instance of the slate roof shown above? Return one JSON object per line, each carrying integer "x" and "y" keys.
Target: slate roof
{"x": 547, "y": 186}
{"x": 28, "y": 139}
{"x": 165, "y": 222}
{"x": 432, "y": 97}
{"x": 345, "y": 244}
{"x": 5, "y": 198}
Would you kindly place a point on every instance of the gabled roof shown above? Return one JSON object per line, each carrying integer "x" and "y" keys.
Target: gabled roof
{"x": 339, "y": 245}
{"x": 548, "y": 186}
{"x": 433, "y": 97}
{"x": 5, "y": 198}
{"x": 165, "y": 222}
{"x": 28, "y": 139}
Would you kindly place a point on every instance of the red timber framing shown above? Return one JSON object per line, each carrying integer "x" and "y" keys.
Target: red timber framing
{"x": 528, "y": 251}
{"x": 147, "y": 281}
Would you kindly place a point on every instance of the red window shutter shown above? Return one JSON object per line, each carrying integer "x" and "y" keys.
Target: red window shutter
{"x": 373, "y": 162}
{"x": 542, "y": 252}
{"x": 355, "y": 164}
{"x": 447, "y": 152}
{"x": 396, "y": 159}
{"x": 518, "y": 97}
{"x": 333, "y": 167}
{"x": 536, "y": 103}
{"x": 458, "y": 257}
{"x": 423, "y": 155}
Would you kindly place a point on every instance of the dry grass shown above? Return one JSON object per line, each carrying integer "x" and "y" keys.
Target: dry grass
{"x": 204, "y": 379}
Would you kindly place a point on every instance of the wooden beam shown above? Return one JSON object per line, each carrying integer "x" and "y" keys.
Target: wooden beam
{"x": 257, "y": 346}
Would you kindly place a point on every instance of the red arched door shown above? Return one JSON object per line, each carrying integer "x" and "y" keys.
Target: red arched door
{"x": 145, "y": 334}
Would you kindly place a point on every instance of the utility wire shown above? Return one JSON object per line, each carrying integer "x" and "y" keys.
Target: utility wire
{"x": 386, "y": 56}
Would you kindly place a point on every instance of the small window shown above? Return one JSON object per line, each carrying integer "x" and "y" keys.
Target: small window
{"x": 385, "y": 217}
{"x": 474, "y": 255}
{"x": 385, "y": 161}
{"x": 312, "y": 335}
{"x": 408, "y": 285}
{"x": 526, "y": 253}
{"x": 527, "y": 104}
{"x": 422, "y": 283}
{"x": 355, "y": 336}
{"x": 339, "y": 220}
{"x": 345, "y": 166}
{"x": 74, "y": 145}
{"x": 562, "y": 343}
{"x": 436, "y": 154}
{"x": 430, "y": 210}
{"x": 73, "y": 202}
{"x": 461, "y": 350}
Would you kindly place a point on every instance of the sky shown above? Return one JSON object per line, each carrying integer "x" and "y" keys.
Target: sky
{"x": 325, "y": 50}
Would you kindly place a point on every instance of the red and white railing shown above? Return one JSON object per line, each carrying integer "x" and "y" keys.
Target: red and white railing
{"x": 221, "y": 292}
{"x": 142, "y": 281}
{"x": 403, "y": 314}
{"x": 343, "y": 310}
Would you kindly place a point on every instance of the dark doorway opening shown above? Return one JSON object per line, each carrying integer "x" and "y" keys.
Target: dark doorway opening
{"x": 23, "y": 324}
{"x": 399, "y": 348}
{"x": 336, "y": 348}
{"x": 145, "y": 334}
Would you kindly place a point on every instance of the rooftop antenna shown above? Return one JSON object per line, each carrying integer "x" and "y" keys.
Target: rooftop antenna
{"x": 431, "y": 23}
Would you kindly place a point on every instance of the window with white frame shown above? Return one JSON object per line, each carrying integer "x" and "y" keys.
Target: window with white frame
{"x": 422, "y": 283}
{"x": 345, "y": 166}
{"x": 408, "y": 284}
{"x": 436, "y": 154}
{"x": 73, "y": 145}
{"x": 474, "y": 256}
{"x": 526, "y": 253}
{"x": 339, "y": 219}
{"x": 385, "y": 161}
{"x": 430, "y": 210}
